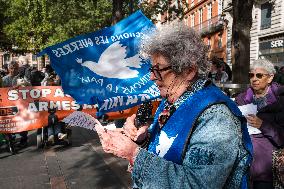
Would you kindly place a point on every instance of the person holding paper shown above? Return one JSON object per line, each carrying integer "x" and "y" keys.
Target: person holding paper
{"x": 198, "y": 138}
{"x": 268, "y": 98}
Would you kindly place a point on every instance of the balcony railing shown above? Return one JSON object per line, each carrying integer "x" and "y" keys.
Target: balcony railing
{"x": 210, "y": 26}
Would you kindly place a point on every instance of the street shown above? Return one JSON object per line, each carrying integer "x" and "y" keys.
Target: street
{"x": 83, "y": 165}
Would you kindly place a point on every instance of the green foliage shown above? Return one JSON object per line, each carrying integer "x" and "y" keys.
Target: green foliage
{"x": 170, "y": 10}
{"x": 31, "y": 25}
{"x": 4, "y": 42}
{"x": 72, "y": 18}
{"x": 35, "y": 24}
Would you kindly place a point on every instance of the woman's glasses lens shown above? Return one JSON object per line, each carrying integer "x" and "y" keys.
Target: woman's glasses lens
{"x": 157, "y": 72}
{"x": 258, "y": 75}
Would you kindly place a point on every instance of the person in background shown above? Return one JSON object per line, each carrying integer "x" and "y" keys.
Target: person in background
{"x": 54, "y": 128}
{"x": 48, "y": 79}
{"x": 22, "y": 79}
{"x": 3, "y": 73}
{"x": 265, "y": 95}
{"x": 57, "y": 80}
{"x": 216, "y": 73}
{"x": 24, "y": 65}
{"x": 23, "y": 61}
{"x": 13, "y": 70}
{"x": 228, "y": 70}
{"x": 36, "y": 77}
{"x": 12, "y": 80}
{"x": 198, "y": 138}
{"x": 1, "y": 82}
{"x": 45, "y": 78}
{"x": 279, "y": 75}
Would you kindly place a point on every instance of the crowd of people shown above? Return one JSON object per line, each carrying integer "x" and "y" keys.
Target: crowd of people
{"x": 220, "y": 72}
{"x": 197, "y": 140}
{"x": 199, "y": 137}
{"x": 20, "y": 74}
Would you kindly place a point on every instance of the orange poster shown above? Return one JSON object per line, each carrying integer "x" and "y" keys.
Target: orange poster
{"x": 26, "y": 108}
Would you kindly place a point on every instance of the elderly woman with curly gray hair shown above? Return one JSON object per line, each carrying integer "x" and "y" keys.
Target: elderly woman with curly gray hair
{"x": 269, "y": 99}
{"x": 198, "y": 138}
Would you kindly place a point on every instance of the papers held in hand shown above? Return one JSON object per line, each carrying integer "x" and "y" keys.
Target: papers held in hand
{"x": 250, "y": 109}
{"x": 81, "y": 119}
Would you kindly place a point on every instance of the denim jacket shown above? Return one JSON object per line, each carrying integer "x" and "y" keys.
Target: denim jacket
{"x": 215, "y": 157}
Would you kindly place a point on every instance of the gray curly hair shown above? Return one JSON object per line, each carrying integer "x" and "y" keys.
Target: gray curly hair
{"x": 180, "y": 45}
{"x": 264, "y": 64}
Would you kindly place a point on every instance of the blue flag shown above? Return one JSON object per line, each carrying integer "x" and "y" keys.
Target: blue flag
{"x": 104, "y": 67}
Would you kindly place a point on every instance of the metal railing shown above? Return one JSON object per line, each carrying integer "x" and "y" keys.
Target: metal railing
{"x": 232, "y": 89}
{"x": 210, "y": 25}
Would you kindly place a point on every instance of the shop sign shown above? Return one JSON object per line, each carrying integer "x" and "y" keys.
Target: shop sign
{"x": 271, "y": 44}
{"x": 277, "y": 43}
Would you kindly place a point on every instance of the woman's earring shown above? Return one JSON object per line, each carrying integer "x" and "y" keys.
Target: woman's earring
{"x": 189, "y": 88}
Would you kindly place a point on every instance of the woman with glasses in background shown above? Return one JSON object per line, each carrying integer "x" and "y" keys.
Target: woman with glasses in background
{"x": 268, "y": 97}
{"x": 198, "y": 138}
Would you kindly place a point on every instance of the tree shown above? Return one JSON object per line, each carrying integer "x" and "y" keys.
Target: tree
{"x": 72, "y": 18}
{"x": 117, "y": 11}
{"x": 5, "y": 44}
{"x": 242, "y": 21}
{"x": 123, "y": 8}
{"x": 170, "y": 11}
{"x": 32, "y": 25}
{"x": 151, "y": 9}
{"x": 35, "y": 24}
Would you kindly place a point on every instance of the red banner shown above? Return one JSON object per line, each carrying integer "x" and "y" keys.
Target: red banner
{"x": 26, "y": 108}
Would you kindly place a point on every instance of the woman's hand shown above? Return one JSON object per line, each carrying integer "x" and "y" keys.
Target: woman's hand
{"x": 118, "y": 144}
{"x": 254, "y": 121}
{"x": 129, "y": 129}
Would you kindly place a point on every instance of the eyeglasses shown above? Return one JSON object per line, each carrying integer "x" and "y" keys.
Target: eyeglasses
{"x": 157, "y": 71}
{"x": 257, "y": 75}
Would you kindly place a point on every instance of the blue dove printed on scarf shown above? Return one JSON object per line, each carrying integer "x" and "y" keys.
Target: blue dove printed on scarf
{"x": 104, "y": 67}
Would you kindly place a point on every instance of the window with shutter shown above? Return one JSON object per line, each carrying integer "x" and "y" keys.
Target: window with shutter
{"x": 265, "y": 15}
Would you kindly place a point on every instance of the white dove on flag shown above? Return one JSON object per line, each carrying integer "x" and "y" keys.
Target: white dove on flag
{"x": 114, "y": 64}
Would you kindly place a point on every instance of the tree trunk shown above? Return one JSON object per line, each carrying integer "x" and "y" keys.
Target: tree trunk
{"x": 131, "y": 6}
{"x": 117, "y": 13}
{"x": 242, "y": 21}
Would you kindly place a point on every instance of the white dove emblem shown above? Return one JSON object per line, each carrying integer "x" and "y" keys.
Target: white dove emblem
{"x": 164, "y": 144}
{"x": 114, "y": 64}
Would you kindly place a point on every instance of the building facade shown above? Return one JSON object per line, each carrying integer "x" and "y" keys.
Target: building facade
{"x": 206, "y": 17}
{"x": 267, "y": 32}
{"x": 33, "y": 60}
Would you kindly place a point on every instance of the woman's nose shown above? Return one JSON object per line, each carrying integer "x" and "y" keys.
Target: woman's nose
{"x": 254, "y": 78}
{"x": 152, "y": 76}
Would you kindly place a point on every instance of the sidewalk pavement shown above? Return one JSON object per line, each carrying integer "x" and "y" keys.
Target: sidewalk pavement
{"x": 83, "y": 165}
